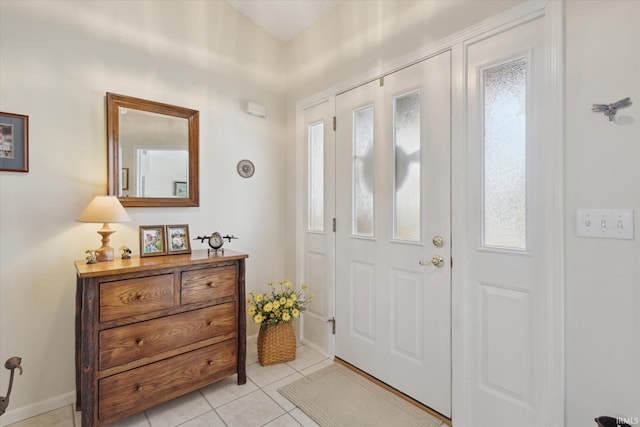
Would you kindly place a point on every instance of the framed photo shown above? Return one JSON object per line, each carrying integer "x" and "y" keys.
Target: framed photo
{"x": 124, "y": 178}
{"x": 181, "y": 189}
{"x": 152, "y": 240}
{"x": 14, "y": 142}
{"x": 178, "y": 239}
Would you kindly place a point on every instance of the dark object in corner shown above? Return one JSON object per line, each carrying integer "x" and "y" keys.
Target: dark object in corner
{"x": 10, "y": 364}
{"x": 610, "y": 422}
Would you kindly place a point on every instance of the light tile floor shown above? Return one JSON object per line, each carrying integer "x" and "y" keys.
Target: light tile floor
{"x": 223, "y": 404}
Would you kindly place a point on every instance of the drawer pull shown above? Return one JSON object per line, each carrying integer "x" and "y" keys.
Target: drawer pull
{"x": 138, "y": 388}
{"x": 139, "y": 341}
{"x": 140, "y": 297}
{"x": 210, "y": 323}
{"x": 210, "y": 362}
{"x": 210, "y": 284}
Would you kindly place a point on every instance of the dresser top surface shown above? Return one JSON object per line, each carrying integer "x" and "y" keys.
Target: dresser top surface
{"x": 136, "y": 263}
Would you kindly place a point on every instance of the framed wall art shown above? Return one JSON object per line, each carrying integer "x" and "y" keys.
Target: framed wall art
{"x": 14, "y": 142}
{"x": 152, "y": 240}
{"x": 181, "y": 189}
{"x": 124, "y": 178}
{"x": 178, "y": 239}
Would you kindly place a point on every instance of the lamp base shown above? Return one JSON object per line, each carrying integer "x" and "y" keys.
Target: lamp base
{"x": 105, "y": 252}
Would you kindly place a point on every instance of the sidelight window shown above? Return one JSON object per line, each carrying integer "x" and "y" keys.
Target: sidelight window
{"x": 315, "y": 221}
{"x": 505, "y": 160}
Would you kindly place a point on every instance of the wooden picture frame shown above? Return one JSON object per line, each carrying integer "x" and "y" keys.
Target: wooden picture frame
{"x": 14, "y": 142}
{"x": 124, "y": 178}
{"x": 181, "y": 189}
{"x": 178, "y": 239}
{"x": 152, "y": 240}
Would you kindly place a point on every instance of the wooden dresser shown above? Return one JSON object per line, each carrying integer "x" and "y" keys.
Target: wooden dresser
{"x": 151, "y": 329}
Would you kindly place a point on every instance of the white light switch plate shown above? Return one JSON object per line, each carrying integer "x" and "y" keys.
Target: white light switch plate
{"x": 605, "y": 223}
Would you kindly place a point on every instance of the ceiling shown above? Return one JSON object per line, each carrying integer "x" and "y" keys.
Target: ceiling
{"x": 284, "y": 18}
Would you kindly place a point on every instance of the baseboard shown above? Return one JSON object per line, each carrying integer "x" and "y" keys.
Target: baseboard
{"x": 252, "y": 349}
{"x": 38, "y": 408}
{"x": 315, "y": 347}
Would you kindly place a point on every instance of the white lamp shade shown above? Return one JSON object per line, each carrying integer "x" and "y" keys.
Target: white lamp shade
{"x": 104, "y": 209}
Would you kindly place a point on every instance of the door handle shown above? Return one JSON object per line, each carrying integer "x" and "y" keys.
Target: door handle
{"x": 436, "y": 260}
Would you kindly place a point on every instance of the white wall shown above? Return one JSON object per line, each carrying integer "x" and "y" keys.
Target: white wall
{"x": 359, "y": 36}
{"x": 57, "y": 61}
{"x": 602, "y": 158}
{"x": 603, "y": 65}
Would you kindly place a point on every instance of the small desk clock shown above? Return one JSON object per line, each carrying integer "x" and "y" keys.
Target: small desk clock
{"x": 215, "y": 241}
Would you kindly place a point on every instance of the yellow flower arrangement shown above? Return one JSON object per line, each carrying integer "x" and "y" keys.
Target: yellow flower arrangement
{"x": 278, "y": 305}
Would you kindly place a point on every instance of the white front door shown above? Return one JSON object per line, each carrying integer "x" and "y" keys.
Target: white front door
{"x": 393, "y": 207}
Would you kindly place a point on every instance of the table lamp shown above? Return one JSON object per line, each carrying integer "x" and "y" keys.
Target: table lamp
{"x": 104, "y": 209}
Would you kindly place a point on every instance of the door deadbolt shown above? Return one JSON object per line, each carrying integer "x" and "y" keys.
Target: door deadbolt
{"x": 438, "y": 241}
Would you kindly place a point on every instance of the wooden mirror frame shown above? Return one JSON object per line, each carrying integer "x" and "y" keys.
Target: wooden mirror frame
{"x": 114, "y": 102}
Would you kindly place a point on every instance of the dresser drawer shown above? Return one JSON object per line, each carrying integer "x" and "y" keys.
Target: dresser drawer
{"x": 208, "y": 284}
{"x": 133, "y": 391}
{"x": 125, "y": 344}
{"x": 132, "y": 297}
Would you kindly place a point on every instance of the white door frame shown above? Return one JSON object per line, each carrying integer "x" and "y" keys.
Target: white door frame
{"x": 553, "y": 11}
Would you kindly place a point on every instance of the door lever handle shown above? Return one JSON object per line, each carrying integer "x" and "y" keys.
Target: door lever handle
{"x": 436, "y": 260}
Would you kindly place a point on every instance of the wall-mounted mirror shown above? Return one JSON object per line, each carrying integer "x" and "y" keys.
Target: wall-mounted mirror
{"x": 153, "y": 152}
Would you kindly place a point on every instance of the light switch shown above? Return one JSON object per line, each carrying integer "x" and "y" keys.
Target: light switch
{"x": 605, "y": 223}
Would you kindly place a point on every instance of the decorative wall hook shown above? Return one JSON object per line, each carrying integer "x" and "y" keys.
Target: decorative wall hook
{"x": 610, "y": 110}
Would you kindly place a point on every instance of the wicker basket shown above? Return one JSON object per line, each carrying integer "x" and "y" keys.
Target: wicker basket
{"x": 276, "y": 344}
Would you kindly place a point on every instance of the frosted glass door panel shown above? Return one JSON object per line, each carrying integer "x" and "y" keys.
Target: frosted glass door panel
{"x": 505, "y": 198}
{"x": 406, "y": 138}
{"x": 363, "y": 172}
{"x": 316, "y": 177}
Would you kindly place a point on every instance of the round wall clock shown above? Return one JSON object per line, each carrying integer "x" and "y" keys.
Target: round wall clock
{"x": 246, "y": 168}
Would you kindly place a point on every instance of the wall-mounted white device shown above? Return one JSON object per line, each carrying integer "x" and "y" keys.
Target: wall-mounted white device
{"x": 256, "y": 109}
{"x": 605, "y": 223}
